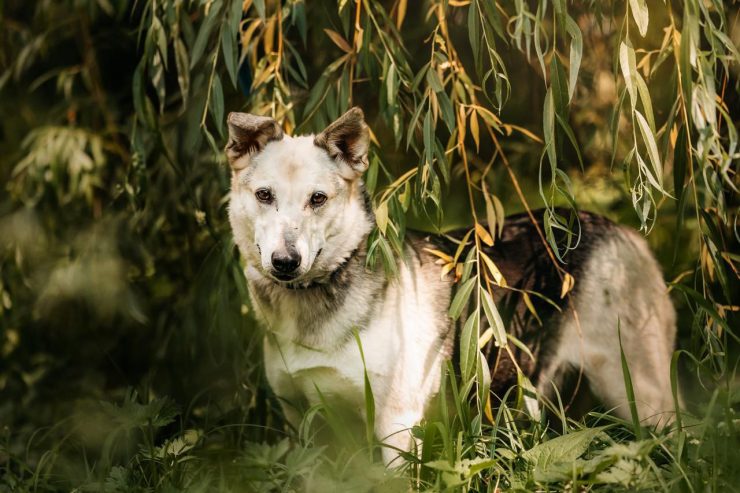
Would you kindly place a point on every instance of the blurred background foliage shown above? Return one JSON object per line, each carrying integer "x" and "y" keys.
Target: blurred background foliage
{"x": 128, "y": 357}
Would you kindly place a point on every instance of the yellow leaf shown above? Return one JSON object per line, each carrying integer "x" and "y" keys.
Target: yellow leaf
{"x": 381, "y": 217}
{"x": 674, "y": 136}
{"x": 525, "y": 132}
{"x": 499, "y": 214}
{"x": 484, "y": 235}
{"x": 446, "y": 270}
{"x": 485, "y": 337}
{"x": 462, "y": 245}
{"x": 494, "y": 213}
{"x": 474, "y": 130}
{"x": 489, "y": 117}
{"x": 489, "y": 412}
{"x": 269, "y": 36}
{"x": 530, "y": 306}
{"x": 373, "y": 138}
{"x": 490, "y": 215}
{"x": 439, "y": 254}
{"x": 568, "y": 283}
{"x": 401, "y": 14}
{"x": 497, "y": 276}
{"x": 461, "y": 127}
{"x": 338, "y": 40}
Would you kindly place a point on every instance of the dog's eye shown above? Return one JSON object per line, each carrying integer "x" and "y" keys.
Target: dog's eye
{"x": 318, "y": 199}
{"x": 263, "y": 195}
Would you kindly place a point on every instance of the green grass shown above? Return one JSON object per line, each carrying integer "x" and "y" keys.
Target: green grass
{"x": 148, "y": 444}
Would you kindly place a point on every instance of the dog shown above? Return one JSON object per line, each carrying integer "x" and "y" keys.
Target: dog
{"x": 301, "y": 218}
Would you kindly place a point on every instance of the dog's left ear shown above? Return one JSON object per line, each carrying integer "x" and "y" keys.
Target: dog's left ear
{"x": 346, "y": 140}
{"x": 248, "y": 135}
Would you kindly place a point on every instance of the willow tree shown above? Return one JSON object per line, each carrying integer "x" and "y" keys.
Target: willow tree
{"x": 114, "y": 227}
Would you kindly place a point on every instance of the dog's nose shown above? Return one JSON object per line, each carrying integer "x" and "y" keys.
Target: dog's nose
{"x": 286, "y": 263}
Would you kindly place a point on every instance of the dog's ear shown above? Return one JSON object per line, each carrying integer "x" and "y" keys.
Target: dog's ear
{"x": 346, "y": 140}
{"x": 248, "y": 135}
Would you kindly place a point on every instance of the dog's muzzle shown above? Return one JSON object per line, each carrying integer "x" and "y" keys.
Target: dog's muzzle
{"x": 285, "y": 265}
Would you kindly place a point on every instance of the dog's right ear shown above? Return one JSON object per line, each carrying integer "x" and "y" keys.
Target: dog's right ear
{"x": 248, "y": 135}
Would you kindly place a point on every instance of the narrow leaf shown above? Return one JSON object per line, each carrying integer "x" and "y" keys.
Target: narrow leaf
{"x": 461, "y": 298}
{"x": 640, "y": 14}
{"x": 493, "y": 316}
{"x": 576, "y": 53}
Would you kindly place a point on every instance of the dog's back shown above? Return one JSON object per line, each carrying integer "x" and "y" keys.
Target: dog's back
{"x": 618, "y": 288}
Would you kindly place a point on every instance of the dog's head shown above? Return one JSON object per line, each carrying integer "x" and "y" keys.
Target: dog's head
{"x": 297, "y": 206}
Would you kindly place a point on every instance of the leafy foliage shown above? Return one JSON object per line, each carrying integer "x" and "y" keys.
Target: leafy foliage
{"x": 117, "y": 270}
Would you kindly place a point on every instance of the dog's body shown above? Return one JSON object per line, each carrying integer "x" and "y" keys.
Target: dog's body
{"x": 301, "y": 220}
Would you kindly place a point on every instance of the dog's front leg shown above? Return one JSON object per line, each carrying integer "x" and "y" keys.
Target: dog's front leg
{"x": 393, "y": 428}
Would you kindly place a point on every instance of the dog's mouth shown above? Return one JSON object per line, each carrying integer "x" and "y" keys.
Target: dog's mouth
{"x": 284, "y": 277}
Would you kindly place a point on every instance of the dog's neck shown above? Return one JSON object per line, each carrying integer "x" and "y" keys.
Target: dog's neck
{"x": 323, "y": 313}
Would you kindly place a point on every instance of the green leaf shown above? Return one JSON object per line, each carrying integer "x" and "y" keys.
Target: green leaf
{"x": 629, "y": 69}
{"x": 201, "y": 41}
{"x": 707, "y": 305}
{"x": 216, "y": 104}
{"x": 156, "y": 71}
{"x": 548, "y": 129}
{"x": 680, "y": 161}
{"x": 640, "y": 14}
{"x": 369, "y": 398}
{"x": 566, "y": 448}
{"x": 316, "y": 96}
{"x": 260, "y": 6}
{"x": 494, "y": 318}
{"x": 559, "y": 86}
{"x": 433, "y": 81}
{"x": 474, "y": 33}
{"x": 469, "y": 346}
{"x": 629, "y": 387}
{"x": 684, "y": 62}
{"x": 142, "y": 105}
{"x": 228, "y": 46}
{"x": 571, "y": 137}
{"x": 461, "y": 298}
{"x": 652, "y": 148}
{"x": 389, "y": 260}
{"x": 448, "y": 113}
{"x": 647, "y": 104}
{"x": 428, "y": 138}
{"x": 391, "y": 86}
{"x": 183, "y": 70}
{"x": 576, "y": 53}
{"x": 157, "y": 30}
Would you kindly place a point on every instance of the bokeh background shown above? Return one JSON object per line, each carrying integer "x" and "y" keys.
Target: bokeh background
{"x": 129, "y": 359}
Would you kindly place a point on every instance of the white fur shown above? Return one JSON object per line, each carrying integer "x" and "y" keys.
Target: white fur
{"x": 622, "y": 290}
{"x": 403, "y": 363}
{"x": 295, "y": 168}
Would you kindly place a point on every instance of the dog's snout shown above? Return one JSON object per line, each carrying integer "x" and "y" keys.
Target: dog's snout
{"x": 286, "y": 263}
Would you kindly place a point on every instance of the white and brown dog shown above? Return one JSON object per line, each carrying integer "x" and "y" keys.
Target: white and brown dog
{"x": 301, "y": 219}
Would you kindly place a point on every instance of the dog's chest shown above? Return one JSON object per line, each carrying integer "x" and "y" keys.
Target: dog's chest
{"x": 297, "y": 373}
{"x": 301, "y": 371}
{"x": 400, "y": 332}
